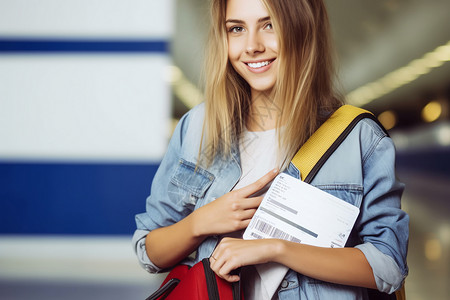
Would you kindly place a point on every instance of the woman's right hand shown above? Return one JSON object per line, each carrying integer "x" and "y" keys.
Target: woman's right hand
{"x": 231, "y": 212}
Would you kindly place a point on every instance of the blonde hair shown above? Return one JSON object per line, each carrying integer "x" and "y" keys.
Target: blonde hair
{"x": 303, "y": 91}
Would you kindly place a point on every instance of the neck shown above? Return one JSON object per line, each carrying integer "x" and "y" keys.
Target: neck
{"x": 263, "y": 113}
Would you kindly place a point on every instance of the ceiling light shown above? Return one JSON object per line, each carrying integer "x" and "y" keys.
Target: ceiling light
{"x": 433, "y": 249}
{"x": 388, "y": 119}
{"x": 443, "y": 136}
{"x": 400, "y": 77}
{"x": 432, "y": 111}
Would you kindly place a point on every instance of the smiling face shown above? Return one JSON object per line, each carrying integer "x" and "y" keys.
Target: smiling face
{"x": 252, "y": 44}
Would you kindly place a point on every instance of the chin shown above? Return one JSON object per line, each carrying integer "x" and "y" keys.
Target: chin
{"x": 262, "y": 87}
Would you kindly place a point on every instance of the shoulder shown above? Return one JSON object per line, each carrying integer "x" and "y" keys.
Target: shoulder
{"x": 197, "y": 112}
{"x": 190, "y": 122}
{"x": 186, "y": 138}
{"x": 347, "y": 162}
{"x": 367, "y": 135}
{"x": 370, "y": 126}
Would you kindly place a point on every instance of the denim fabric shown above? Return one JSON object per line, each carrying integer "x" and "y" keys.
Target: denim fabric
{"x": 360, "y": 171}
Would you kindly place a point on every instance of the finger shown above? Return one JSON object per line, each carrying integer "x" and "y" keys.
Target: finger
{"x": 251, "y": 203}
{"x": 243, "y": 204}
{"x": 248, "y": 214}
{"x": 231, "y": 278}
{"x": 223, "y": 264}
{"x": 212, "y": 260}
{"x": 226, "y": 272}
{"x": 259, "y": 184}
{"x": 242, "y": 224}
{"x": 215, "y": 265}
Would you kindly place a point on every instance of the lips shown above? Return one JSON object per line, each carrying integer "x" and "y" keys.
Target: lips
{"x": 259, "y": 64}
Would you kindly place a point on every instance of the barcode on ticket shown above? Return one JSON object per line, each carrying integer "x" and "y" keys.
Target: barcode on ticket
{"x": 272, "y": 231}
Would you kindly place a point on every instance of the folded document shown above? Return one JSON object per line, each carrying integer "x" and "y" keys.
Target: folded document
{"x": 296, "y": 211}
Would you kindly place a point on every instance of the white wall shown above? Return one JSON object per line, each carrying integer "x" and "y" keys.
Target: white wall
{"x": 85, "y": 105}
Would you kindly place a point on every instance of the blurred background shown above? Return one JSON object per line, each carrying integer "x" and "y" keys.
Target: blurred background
{"x": 89, "y": 93}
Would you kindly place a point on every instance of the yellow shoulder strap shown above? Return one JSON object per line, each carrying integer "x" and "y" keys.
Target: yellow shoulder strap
{"x": 331, "y": 133}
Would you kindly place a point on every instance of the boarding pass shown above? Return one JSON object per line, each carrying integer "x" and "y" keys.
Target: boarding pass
{"x": 296, "y": 211}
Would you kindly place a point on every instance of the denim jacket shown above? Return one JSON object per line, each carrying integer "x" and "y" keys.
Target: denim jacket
{"x": 360, "y": 171}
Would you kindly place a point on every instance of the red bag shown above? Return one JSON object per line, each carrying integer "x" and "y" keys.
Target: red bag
{"x": 196, "y": 283}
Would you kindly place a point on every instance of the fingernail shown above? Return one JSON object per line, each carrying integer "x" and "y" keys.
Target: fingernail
{"x": 275, "y": 170}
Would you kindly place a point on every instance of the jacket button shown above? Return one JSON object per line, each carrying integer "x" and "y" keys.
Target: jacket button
{"x": 284, "y": 284}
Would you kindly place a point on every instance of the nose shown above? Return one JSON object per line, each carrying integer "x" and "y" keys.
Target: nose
{"x": 255, "y": 43}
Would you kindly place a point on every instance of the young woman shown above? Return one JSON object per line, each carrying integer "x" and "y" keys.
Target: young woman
{"x": 269, "y": 86}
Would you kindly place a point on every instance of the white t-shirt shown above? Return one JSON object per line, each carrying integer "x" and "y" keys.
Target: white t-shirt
{"x": 258, "y": 151}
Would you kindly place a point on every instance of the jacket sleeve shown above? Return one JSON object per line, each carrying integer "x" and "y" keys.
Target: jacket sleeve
{"x": 383, "y": 226}
{"x": 162, "y": 207}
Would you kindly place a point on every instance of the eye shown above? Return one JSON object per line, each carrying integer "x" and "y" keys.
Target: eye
{"x": 236, "y": 29}
{"x": 268, "y": 26}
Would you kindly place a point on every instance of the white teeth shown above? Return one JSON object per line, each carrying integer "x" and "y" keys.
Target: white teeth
{"x": 258, "y": 64}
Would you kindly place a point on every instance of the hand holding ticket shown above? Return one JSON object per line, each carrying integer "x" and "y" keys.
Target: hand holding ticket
{"x": 296, "y": 211}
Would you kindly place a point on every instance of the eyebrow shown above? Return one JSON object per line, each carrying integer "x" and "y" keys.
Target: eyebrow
{"x": 260, "y": 20}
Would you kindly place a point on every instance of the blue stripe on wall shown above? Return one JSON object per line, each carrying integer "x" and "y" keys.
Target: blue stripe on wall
{"x": 18, "y": 45}
{"x": 426, "y": 161}
{"x": 57, "y": 198}
{"x": 73, "y": 198}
